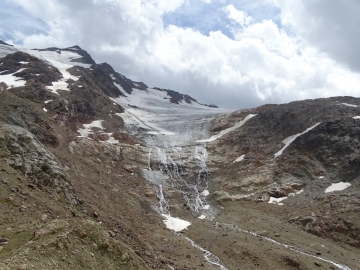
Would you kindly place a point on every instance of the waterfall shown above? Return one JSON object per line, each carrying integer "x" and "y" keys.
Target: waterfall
{"x": 190, "y": 191}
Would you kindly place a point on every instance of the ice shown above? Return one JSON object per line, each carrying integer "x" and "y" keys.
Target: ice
{"x": 175, "y": 224}
{"x": 292, "y": 138}
{"x": 241, "y": 158}
{"x": 225, "y": 131}
{"x": 11, "y": 80}
{"x": 176, "y": 124}
{"x": 337, "y": 187}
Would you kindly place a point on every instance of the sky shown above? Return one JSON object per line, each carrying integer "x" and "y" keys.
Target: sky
{"x": 232, "y": 53}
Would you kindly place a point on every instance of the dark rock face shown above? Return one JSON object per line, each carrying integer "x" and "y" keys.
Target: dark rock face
{"x": 176, "y": 97}
{"x": 333, "y": 150}
{"x": 22, "y": 151}
{"x": 102, "y": 74}
{"x": 23, "y": 113}
{"x": 126, "y": 84}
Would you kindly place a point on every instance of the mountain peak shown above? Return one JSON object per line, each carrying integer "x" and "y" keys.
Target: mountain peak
{"x": 4, "y": 43}
{"x": 84, "y": 58}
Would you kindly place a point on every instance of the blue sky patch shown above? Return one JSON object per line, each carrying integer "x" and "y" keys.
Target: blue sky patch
{"x": 207, "y": 17}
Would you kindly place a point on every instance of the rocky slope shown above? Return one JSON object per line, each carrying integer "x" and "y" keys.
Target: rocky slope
{"x": 96, "y": 166}
{"x": 324, "y": 155}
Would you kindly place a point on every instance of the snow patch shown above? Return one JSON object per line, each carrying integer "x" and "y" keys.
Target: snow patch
{"x": 297, "y": 192}
{"x": 337, "y": 187}
{"x": 356, "y": 117}
{"x": 45, "y": 110}
{"x": 349, "y": 105}
{"x": 225, "y": 131}
{"x": 175, "y": 224}
{"x": 23, "y": 62}
{"x": 47, "y": 101}
{"x": 241, "y": 158}
{"x": 13, "y": 81}
{"x": 205, "y": 193}
{"x": 277, "y": 201}
{"x": 202, "y": 217}
{"x": 292, "y": 138}
{"x": 84, "y": 132}
{"x": 111, "y": 140}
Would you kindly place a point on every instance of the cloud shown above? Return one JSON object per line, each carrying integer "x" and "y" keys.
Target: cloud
{"x": 238, "y": 15}
{"x": 255, "y": 62}
{"x": 330, "y": 26}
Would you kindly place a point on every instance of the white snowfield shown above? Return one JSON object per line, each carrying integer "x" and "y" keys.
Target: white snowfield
{"x": 292, "y": 138}
{"x": 225, "y": 131}
{"x": 337, "y": 187}
{"x": 11, "y": 80}
{"x": 59, "y": 59}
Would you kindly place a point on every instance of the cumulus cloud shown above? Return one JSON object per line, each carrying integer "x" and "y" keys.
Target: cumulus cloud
{"x": 330, "y": 26}
{"x": 260, "y": 62}
{"x": 238, "y": 15}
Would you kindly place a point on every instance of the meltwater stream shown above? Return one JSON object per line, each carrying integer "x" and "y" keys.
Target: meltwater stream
{"x": 172, "y": 165}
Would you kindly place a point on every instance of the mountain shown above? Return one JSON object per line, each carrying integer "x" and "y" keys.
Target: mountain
{"x": 101, "y": 172}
